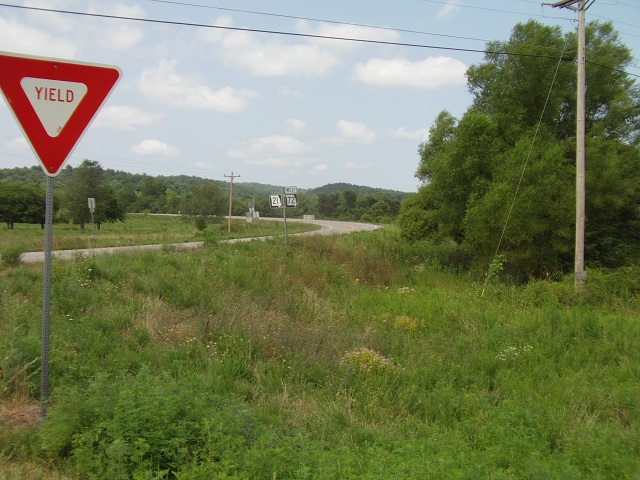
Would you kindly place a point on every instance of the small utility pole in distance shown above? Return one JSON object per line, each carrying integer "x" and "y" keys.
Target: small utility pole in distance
{"x": 232, "y": 176}
{"x": 583, "y": 5}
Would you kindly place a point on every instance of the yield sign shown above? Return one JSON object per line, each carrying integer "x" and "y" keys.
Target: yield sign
{"x": 54, "y": 101}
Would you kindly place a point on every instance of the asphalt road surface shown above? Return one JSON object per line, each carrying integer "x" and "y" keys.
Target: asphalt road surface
{"x": 327, "y": 227}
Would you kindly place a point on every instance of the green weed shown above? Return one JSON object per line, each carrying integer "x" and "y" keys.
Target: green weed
{"x": 337, "y": 357}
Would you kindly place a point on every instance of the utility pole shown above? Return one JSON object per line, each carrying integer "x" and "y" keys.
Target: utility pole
{"x": 232, "y": 176}
{"x": 581, "y": 8}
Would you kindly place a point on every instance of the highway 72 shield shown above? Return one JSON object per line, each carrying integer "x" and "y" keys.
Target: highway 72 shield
{"x": 291, "y": 201}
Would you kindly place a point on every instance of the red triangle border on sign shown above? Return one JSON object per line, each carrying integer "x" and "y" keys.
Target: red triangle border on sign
{"x": 99, "y": 80}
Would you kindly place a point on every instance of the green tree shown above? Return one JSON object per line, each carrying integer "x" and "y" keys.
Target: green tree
{"x": 173, "y": 201}
{"x": 378, "y": 212}
{"x": 22, "y": 203}
{"x": 205, "y": 203}
{"x": 418, "y": 215}
{"x": 153, "y": 196}
{"x": 126, "y": 196}
{"x": 328, "y": 204}
{"x": 473, "y": 168}
{"x": 87, "y": 181}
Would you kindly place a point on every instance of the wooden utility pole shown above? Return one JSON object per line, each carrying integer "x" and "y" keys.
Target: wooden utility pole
{"x": 232, "y": 176}
{"x": 582, "y": 6}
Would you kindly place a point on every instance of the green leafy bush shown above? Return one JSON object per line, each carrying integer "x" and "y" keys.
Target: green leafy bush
{"x": 136, "y": 425}
{"x": 11, "y": 255}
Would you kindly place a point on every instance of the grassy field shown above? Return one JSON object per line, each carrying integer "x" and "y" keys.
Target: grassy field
{"x": 350, "y": 357}
{"x": 139, "y": 229}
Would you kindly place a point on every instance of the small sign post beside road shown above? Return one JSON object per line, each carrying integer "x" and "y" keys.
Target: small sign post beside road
{"x": 289, "y": 198}
{"x": 53, "y": 101}
{"x": 92, "y": 206}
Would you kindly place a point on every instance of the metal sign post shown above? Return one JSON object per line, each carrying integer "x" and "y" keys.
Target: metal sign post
{"x": 284, "y": 216}
{"x": 92, "y": 207}
{"x": 54, "y": 101}
{"x": 46, "y": 297}
{"x": 289, "y": 198}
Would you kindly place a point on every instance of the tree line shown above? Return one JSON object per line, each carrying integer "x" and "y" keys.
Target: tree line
{"x": 22, "y": 198}
{"x": 501, "y": 179}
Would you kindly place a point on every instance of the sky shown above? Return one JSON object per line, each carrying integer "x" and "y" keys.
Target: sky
{"x": 292, "y": 108}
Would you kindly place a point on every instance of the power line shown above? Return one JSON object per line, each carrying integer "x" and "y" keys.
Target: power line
{"x": 444, "y": 2}
{"x": 334, "y": 22}
{"x": 283, "y": 33}
{"x": 301, "y": 35}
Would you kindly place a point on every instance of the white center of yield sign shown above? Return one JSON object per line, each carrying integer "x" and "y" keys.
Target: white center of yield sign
{"x": 53, "y": 100}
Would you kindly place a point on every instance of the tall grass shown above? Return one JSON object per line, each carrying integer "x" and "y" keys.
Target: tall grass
{"x": 138, "y": 229}
{"x": 339, "y": 357}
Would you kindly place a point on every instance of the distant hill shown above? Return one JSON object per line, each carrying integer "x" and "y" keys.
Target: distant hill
{"x": 358, "y": 189}
{"x": 181, "y": 183}
{"x": 141, "y": 193}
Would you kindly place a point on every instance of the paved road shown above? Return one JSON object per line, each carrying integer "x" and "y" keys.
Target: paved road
{"x": 327, "y": 227}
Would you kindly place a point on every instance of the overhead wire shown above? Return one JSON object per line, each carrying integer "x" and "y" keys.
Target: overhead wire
{"x": 283, "y": 33}
{"x": 322, "y": 20}
{"x": 490, "y": 9}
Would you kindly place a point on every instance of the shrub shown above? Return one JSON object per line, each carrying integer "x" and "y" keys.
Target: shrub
{"x": 212, "y": 234}
{"x": 200, "y": 223}
{"x": 404, "y": 322}
{"x": 10, "y": 256}
{"x": 137, "y": 425}
{"x": 365, "y": 361}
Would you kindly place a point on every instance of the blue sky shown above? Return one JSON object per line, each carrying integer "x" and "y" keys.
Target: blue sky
{"x": 279, "y": 109}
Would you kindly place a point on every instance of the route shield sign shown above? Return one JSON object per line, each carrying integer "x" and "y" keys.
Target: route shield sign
{"x": 291, "y": 201}
{"x": 275, "y": 201}
{"x": 54, "y": 101}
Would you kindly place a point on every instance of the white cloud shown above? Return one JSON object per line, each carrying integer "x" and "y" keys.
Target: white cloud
{"x": 20, "y": 38}
{"x": 118, "y": 35}
{"x": 206, "y": 166}
{"x": 273, "y": 151}
{"x": 164, "y": 85}
{"x": 90, "y": 32}
{"x": 356, "y": 166}
{"x": 346, "y": 31}
{"x": 274, "y": 161}
{"x": 51, "y": 20}
{"x": 236, "y": 154}
{"x": 122, "y": 117}
{"x": 356, "y": 131}
{"x": 318, "y": 169}
{"x": 122, "y": 37}
{"x": 451, "y": 7}
{"x": 155, "y": 147}
{"x": 421, "y": 134}
{"x": 296, "y": 126}
{"x": 267, "y": 57}
{"x": 286, "y": 92}
{"x": 18, "y": 143}
{"x": 279, "y": 143}
{"x": 430, "y": 73}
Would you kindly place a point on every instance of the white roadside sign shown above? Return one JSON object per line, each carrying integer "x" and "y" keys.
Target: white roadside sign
{"x": 275, "y": 201}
